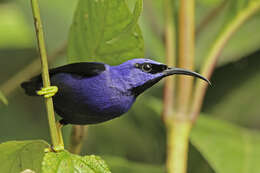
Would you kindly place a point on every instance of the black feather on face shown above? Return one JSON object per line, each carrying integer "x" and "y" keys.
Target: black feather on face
{"x": 151, "y": 68}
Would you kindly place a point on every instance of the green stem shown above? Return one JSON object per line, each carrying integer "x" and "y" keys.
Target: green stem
{"x": 186, "y": 55}
{"x": 45, "y": 71}
{"x": 168, "y": 94}
{"x": 177, "y": 146}
{"x": 214, "y": 52}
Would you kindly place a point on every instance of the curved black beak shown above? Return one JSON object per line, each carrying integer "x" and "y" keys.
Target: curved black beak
{"x": 172, "y": 71}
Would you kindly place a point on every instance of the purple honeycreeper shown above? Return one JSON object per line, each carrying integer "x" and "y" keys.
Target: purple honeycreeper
{"x": 91, "y": 92}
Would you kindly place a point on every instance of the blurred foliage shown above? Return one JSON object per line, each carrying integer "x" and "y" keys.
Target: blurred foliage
{"x": 244, "y": 41}
{"x": 136, "y": 141}
{"x": 56, "y": 16}
{"x": 16, "y": 156}
{"x": 240, "y": 97}
{"x": 228, "y": 148}
{"x": 66, "y": 162}
{"x": 118, "y": 164}
{"x": 210, "y": 3}
{"x": 14, "y": 30}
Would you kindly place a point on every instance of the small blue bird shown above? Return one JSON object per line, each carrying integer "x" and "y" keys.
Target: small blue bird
{"x": 91, "y": 92}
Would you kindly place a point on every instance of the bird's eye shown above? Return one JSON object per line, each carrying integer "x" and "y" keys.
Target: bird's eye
{"x": 147, "y": 67}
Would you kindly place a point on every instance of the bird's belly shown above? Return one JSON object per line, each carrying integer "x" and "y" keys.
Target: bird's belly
{"x": 88, "y": 101}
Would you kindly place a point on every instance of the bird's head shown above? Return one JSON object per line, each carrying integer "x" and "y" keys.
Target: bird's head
{"x": 141, "y": 74}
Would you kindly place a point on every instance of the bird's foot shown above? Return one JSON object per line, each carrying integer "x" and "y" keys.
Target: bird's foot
{"x": 48, "y": 91}
{"x": 60, "y": 145}
{"x": 54, "y": 149}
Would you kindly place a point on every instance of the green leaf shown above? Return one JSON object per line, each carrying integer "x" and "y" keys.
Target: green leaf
{"x": 105, "y": 31}
{"x": 66, "y": 162}
{"x": 227, "y": 147}
{"x": 230, "y": 33}
{"x": 3, "y": 98}
{"x": 17, "y": 156}
{"x": 121, "y": 165}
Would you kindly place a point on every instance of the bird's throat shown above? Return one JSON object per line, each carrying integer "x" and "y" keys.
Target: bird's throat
{"x": 140, "y": 89}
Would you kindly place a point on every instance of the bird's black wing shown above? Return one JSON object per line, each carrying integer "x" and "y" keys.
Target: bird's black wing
{"x": 82, "y": 69}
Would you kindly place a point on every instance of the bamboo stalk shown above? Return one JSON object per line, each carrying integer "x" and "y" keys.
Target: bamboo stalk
{"x": 177, "y": 131}
{"x": 186, "y": 55}
{"x": 170, "y": 52}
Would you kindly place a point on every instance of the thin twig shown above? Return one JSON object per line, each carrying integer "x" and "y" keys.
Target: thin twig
{"x": 45, "y": 71}
{"x": 76, "y": 139}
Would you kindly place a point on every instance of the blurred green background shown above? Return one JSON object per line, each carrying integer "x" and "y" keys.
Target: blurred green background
{"x": 135, "y": 141}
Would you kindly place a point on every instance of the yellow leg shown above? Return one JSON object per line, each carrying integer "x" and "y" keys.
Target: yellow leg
{"x": 59, "y": 126}
{"x": 48, "y": 92}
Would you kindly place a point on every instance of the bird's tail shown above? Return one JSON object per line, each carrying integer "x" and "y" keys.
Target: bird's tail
{"x": 31, "y": 87}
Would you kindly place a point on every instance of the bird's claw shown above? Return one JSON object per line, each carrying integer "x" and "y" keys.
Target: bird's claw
{"x": 54, "y": 149}
{"x": 48, "y": 91}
